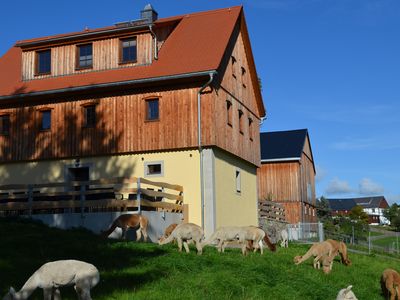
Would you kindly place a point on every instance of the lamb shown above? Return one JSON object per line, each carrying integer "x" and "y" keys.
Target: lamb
{"x": 346, "y": 294}
{"x": 223, "y": 235}
{"x": 390, "y": 283}
{"x": 340, "y": 248}
{"x": 321, "y": 251}
{"x": 284, "y": 238}
{"x": 184, "y": 233}
{"x": 53, "y": 275}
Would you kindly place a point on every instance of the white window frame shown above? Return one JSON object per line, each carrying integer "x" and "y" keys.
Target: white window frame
{"x": 238, "y": 181}
{"x": 146, "y": 169}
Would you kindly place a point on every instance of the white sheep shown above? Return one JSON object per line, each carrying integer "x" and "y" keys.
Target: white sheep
{"x": 53, "y": 275}
{"x": 346, "y": 294}
{"x": 184, "y": 233}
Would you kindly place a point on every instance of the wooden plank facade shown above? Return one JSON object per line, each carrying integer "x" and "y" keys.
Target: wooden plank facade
{"x": 291, "y": 183}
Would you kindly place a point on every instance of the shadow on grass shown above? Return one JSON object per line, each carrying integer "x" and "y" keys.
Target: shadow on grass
{"x": 25, "y": 245}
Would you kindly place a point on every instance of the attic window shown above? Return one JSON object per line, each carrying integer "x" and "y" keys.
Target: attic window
{"x": 43, "y": 62}
{"x": 85, "y": 56}
{"x": 128, "y": 53}
{"x": 229, "y": 112}
{"x": 240, "y": 112}
{"x": 233, "y": 62}
{"x": 5, "y": 125}
{"x": 243, "y": 70}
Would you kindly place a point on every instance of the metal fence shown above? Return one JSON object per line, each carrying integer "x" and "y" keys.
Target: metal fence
{"x": 306, "y": 232}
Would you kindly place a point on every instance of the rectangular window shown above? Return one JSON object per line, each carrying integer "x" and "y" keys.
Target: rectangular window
{"x": 152, "y": 110}
{"x": 128, "y": 50}
{"x": 229, "y": 112}
{"x": 251, "y": 129}
{"x": 45, "y": 117}
{"x": 85, "y": 56}
{"x": 90, "y": 116}
{"x": 5, "y": 125}
{"x": 238, "y": 181}
{"x": 240, "y": 121}
{"x": 43, "y": 62}
{"x": 155, "y": 168}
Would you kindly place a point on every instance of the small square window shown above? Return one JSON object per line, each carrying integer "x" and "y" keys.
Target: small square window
{"x": 45, "y": 117}
{"x": 128, "y": 50}
{"x": 154, "y": 169}
{"x": 5, "y": 125}
{"x": 238, "y": 181}
{"x": 152, "y": 110}
{"x": 85, "y": 56}
{"x": 90, "y": 116}
{"x": 43, "y": 62}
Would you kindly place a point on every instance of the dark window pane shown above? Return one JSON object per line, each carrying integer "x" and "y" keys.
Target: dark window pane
{"x": 154, "y": 169}
{"x": 152, "y": 109}
{"x": 5, "y": 124}
{"x": 90, "y": 116}
{"x": 44, "y": 62}
{"x": 46, "y": 120}
{"x": 85, "y": 56}
{"x": 129, "y": 50}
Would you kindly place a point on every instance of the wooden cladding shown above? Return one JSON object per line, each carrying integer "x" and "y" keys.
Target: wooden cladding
{"x": 106, "y": 55}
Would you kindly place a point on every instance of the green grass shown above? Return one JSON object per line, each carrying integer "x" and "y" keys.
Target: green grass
{"x": 386, "y": 242}
{"x": 132, "y": 270}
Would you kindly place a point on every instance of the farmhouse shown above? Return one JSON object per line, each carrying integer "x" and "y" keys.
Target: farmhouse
{"x": 174, "y": 99}
{"x": 287, "y": 173}
{"x": 372, "y": 206}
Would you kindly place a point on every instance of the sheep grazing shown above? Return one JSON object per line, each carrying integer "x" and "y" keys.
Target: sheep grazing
{"x": 390, "y": 284}
{"x": 340, "y": 248}
{"x": 53, "y": 275}
{"x": 321, "y": 251}
{"x": 126, "y": 221}
{"x": 185, "y": 233}
{"x": 284, "y": 238}
{"x": 169, "y": 229}
{"x": 346, "y": 294}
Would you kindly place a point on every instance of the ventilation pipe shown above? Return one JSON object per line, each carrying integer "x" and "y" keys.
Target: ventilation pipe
{"x": 155, "y": 42}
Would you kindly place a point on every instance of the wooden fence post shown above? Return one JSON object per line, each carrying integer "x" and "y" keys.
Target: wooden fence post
{"x": 139, "y": 196}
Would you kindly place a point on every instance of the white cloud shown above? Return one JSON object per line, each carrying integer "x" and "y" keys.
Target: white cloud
{"x": 337, "y": 186}
{"x": 368, "y": 187}
{"x": 321, "y": 173}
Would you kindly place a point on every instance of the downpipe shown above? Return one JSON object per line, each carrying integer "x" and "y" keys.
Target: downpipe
{"x": 211, "y": 74}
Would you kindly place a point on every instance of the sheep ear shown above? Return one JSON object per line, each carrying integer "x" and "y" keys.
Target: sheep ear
{"x": 348, "y": 289}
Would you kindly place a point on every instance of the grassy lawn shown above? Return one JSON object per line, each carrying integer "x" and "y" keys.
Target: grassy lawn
{"x": 132, "y": 270}
{"x": 387, "y": 241}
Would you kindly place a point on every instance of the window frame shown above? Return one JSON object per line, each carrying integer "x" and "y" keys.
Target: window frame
{"x": 4, "y": 117}
{"x": 78, "y": 57}
{"x": 121, "y": 50}
{"x": 37, "y": 62}
{"x": 151, "y": 163}
{"x": 147, "y": 102}
{"x": 42, "y": 112}
{"x": 85, "y": 108}
{"x": 238, "y": 181}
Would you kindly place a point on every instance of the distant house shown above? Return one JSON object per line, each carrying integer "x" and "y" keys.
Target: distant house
{"x": 287, "y": 173}
{"x": 372, "y": 206}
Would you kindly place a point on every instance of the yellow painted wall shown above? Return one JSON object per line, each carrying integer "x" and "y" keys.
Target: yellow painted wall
{"x": 233, "y": 208}
{"x": 180, "y": 167}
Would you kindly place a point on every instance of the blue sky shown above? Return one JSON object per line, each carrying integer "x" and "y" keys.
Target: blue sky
{"x": 332, "y": 66}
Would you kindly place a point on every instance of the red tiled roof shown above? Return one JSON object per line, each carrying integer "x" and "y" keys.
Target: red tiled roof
{"x": 197, "y": 44}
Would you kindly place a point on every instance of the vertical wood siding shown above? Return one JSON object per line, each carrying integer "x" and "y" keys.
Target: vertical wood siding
{"x": 105, "y": 57}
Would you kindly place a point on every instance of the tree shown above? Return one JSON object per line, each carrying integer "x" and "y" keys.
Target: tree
{"x": 323, "y": 209}
{"x": 358, "y": 214}
{"x": 392, "y": 213}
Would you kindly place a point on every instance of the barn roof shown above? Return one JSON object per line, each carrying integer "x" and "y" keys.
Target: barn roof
{"x": 196, "y": 45}
{"x": 282, "y": 145}
{"x": 341, "y": 204}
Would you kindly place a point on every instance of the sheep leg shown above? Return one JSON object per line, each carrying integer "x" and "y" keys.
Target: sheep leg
{"x": 47, "y": 293}
{"x": 56, "y": 294}
{"x": 185, "y": 244}
{"x": 199, "y": 247}
{"x": 138, "y": 234}
{"x": 179, "y": 240}
{"x": 220, "y": 246}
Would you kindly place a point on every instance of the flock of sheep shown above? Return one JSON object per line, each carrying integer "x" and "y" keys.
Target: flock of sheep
{"x": 84, "y": 276}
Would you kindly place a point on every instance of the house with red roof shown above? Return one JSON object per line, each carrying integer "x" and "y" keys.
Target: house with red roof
{"x": 174, "y": 99}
